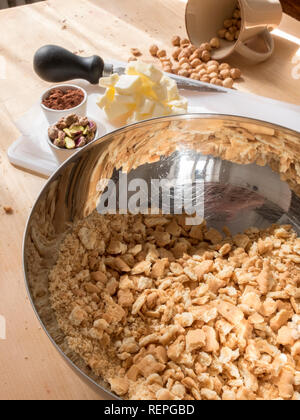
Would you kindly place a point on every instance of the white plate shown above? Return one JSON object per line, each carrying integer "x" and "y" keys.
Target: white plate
{"x": 31, "y": 151}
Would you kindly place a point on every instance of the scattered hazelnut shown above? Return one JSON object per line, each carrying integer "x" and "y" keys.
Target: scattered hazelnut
{"x": 195, "y": 63}
{"x": 206, "y": 56}
{"x": 185, "y": 42}
{"x": 176, "y": 41}
{"x": 213, "y": 63}
{"x": 215, "y": 42}
{"x": 132, "y": 59}
{"x": 235, "y": 73}
{"x": 154, "y": 50}
{"x": 176, "y": 53}
{"x": 167, "y": 69}
{"x": 136, "y": 52}
{"x": 221, "y": 33}
{"x": 228, "y": 83}
{"x": 186, "y": 66}
{"x": 212, "y": 69}
{"x": 229, "y": 37}
{"x": 205, "y": 79}
{"x": 224, "y": 74}
{"x": 183, "y": 61}
{"x": 195, "y": 76}
{"x": 162, "y": 53}
{"x": 183, "y": 73}
{"x": 224, "y": 66}
{"x": 213, "y": 75}
{"x": 8, "y": 209}
{"x": 227, "y": 23}
{"x": 183, "y": 54}
{"x": 202, "y": 73}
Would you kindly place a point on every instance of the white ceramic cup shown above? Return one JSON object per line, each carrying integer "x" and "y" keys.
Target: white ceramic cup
{"x": 54, "y": 115}
{"x": 204, "y": 18}
{"x": 61, "y": 154}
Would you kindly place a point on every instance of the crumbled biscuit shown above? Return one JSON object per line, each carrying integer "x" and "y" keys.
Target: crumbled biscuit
{"x": 160, "y": 310}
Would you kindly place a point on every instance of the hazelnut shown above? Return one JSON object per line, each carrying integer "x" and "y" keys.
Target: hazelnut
{"x": 224, "y": 74}
{"x": 183, "y": 54}
{"x": 224, "y": 66}
{"x": 195, "y": 76}
{"x": 202, "y": 73}
{"x": 228, "y": 83}
{"x": 212, "y": 69}
{"x": 227, "y": 23}
{"x": 201, "y": 67}
{"x": 215, "y": 42}
{"x": 186, "y": 66}
{"x": 185, "y": 42}
{"x": 213, "y": 75}
{"x": 197, "y": 53}
{"x": 176, "y": 53}
{"x": 183, "y": 73}
{"x": 237, "y": 14}
{"x": 175, "y": 69}
{"x": 176, "y": 41}
{"x": 233, "y": 30}
{"x": 206, "y": 56}
{"x": 130, "y": 59}
{"x": 167, "y": 69}
{"x": 205, "y": 79}
{"x": 183, "y": 61}
{"x": 235, "y": 73}
{"x": 213, "y": 63}
{"x": 154, "y": 50}
{"x": 229, "y": 37}
{"x": 221, "y": 33}
{"x": 195, "y": 63}
{"x": 162, "y": 53}
{"x": 136, "y": 52}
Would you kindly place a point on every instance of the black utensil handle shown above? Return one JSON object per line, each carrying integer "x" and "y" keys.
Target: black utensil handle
{"x": 56, "y": 64}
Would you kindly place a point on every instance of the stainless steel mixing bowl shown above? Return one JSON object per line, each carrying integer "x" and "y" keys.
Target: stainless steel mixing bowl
{"x": 179, "y": 148}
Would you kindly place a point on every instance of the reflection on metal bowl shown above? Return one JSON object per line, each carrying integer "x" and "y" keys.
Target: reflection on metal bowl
{"x": 249, "y": 172}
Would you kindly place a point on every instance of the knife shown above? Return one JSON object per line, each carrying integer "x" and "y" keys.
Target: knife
{"x": 56, "y": 65}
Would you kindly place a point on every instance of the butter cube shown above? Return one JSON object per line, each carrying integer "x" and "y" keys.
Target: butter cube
{"x": 107, "y": 98}
{"x": 147, "y": 106}
{"x": 107, "y": 82}
{"x": 125, "y": 99}
{"x": 160, "y": 110}
{"x": 128, "y": 85}
{"x": 148, "y": 70}
{"x": 171, "y": 87}
{"x": 116, "y": 110}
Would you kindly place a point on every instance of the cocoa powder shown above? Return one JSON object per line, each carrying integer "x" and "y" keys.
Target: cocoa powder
{"x": 59, "y": 99}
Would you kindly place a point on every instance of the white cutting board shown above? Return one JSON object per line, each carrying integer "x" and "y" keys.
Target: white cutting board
{"x": 31, "y": 151}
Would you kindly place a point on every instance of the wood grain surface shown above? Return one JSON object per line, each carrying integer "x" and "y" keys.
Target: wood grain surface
{"x": 30, "y": 368}
{"x": 291, "y": 7}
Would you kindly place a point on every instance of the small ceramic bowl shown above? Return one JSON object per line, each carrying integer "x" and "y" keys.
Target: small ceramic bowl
{"x": 60, "y": 154}
{"x": 53, "y": 115}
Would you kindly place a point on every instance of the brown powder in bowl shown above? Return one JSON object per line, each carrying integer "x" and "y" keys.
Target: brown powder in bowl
{"x": 59, "y": 99}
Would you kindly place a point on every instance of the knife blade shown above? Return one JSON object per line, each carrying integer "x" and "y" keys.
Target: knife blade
{"x": 56, "y": 65}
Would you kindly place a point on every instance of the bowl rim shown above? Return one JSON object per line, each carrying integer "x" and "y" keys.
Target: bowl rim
{"x": 74, "y": 157}
{"x": 63, "y": 85}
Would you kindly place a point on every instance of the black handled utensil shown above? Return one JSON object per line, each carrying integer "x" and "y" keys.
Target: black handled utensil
{"x": 56, "y": 65}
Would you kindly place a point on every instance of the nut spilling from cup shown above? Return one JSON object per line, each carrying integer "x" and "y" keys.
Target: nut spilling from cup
{"x": 196, "y": 63}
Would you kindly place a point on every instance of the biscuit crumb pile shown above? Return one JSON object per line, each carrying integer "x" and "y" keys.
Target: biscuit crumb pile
{"x": 165, "y": 311}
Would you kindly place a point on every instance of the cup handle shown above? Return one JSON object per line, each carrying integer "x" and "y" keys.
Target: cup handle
{"x": 255, "y": 56}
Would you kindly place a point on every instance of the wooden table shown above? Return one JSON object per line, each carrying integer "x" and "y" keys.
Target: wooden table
{"x": 30, "y": 368}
